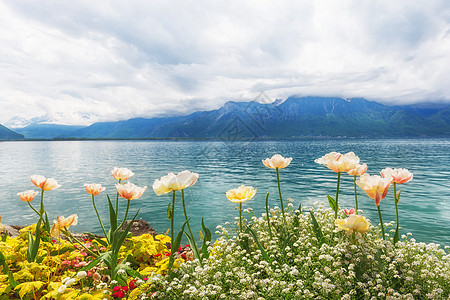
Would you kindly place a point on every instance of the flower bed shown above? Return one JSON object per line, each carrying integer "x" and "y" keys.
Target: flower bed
{"x": 287, "y": 253}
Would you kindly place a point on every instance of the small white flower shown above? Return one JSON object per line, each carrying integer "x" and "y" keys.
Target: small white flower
{"x": 65, "y": 279}
{"x": 70, "y": 282}
{"x": 62, "y": 289}
{"x": 81, "y": 274}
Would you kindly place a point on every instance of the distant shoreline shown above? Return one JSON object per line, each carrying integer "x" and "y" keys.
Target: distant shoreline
{"x": 230, "y": 139}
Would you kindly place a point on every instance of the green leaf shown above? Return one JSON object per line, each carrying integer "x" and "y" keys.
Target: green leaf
{"x": 105, "y": 256}
{"x": 5, "y": 236}
{"x": 206, "y": 238}
{"x": 169, "y": 212}
{"x": 332, "y": 202}
{"x": 98, "y": 240}
{"x": 194, "y": 250}
{"x": 261, "y": 248}
{"x": 28, "y": 287}
{"x": 316, "y": 228}
{"x": 123, "y": 235}
{"x": 112, "y": 215}
{"x": 174, "y": 247}
{"x": 397, "y": 198}
{"x": 396, "y": 236}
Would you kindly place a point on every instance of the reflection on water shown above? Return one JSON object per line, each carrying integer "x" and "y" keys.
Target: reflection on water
{"x": 424, "y": 206}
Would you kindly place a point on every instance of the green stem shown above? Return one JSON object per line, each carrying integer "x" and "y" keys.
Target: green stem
{"x": 281, "y": 199}
{"x": 187, "y": 222}
{"x": 117, "y": 201}
{"x": 267, "y": 214}
{"x": 126, "y": 214}
{"x": 70, "y": 236}
{"x": 33, "y": 209}
{"x": 337, "y": 195}
{"x": 381, "y": 222}
{"x": 356, "y": 196}
{"x": 240, "y": 216}
{"x": 396, "y": 205}
{"x": 98, "y": 216}
{"x": 173, "y": 217}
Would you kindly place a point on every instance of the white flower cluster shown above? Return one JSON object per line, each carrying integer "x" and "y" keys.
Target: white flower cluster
{"x": 295, "y": 262}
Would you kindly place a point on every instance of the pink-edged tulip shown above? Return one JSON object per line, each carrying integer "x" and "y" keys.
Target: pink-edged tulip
{"x": 130, "y": 191}
{"x": 94, "y": 188}
{"x": 277, "y": 161}
{"x": 375, "y": 186}
{"x": 172, "y": 182}
{"x": 339, "y": 162}
{"x": 46, "y": 184}
{"x": 349, "y": 212}
{"x": 358, "y": 170}
{"x": 121, "y": 173}
{"x": 62, "y": 223}
{"x": 27, "y": 196}
{"x": 397, "y": 175}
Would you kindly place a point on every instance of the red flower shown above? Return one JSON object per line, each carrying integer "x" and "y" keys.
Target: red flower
{"x": 157, "y": 255}
{"x": 132, "y": 284}
{"x": 119, "y": 291}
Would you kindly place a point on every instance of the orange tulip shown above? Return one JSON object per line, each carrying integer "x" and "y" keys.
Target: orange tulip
{"x": 397, "y": 175}
{"x": 27, "y": 196}
{"x": 338, "y": 162}
{"x": 130, "y": 191}
{"x": 121, "y": 173}
{"x": 375, "y": 186}
{"x": 45, "y": 184}
{"x": 277, "y": 161}
{"x": 94, "y": 188}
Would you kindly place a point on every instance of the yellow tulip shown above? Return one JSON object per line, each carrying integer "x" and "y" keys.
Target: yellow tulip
{"x": 353, "y": 222}
{"x": 241, "y": 194}
{"x": 62, "y": 223}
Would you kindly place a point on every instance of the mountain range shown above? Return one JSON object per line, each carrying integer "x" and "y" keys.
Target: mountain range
{"x": 293, "y": 118}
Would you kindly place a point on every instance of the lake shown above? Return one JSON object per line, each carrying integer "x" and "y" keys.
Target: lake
{"x": 424, "y": 206}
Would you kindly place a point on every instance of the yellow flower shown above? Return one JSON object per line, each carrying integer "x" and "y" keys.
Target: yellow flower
{"x": 62, "y": 223}
{"x": 374, "y": 186}
{"x": 241, "y": 194}
{"x": 358, "y": 170}
{"x": 172, "y": 182}
{"x": 339, "y": 162}
{"x": 277, "y": 161}
{"x": 353, "y": 222}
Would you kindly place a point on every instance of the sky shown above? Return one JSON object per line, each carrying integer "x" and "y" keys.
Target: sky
{"x": 80, "y": 62}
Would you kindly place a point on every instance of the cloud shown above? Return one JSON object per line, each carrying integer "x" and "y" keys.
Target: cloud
{"x": 82, "y": 62}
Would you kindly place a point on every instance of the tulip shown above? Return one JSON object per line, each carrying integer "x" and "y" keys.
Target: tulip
{"x": 130, "y": 191}
{"x": 349, "y": 212}
{"x": 95, "y": 189}
{"x": 27, "y": 196}
{"x": 278, "y": 162}
{"x": 353, "y": 223}
{"x": 357, "y": 171}
{"x": 62, "y": 223}
{"x": 376, "y": 188}
{"x": 240, "y": 195}
{"x": 46, "y": 184}
{"x": 397, "y": 176}
{"x": 172, "y": 183}
{"x": 121, "y": 173}
{"x": 338, "y": 163}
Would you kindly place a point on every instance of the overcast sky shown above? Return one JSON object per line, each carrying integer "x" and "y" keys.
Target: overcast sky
{"x": 79, "y": 62}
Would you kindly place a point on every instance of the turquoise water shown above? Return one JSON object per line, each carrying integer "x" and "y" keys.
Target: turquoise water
{"x": 424, "y": 206}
